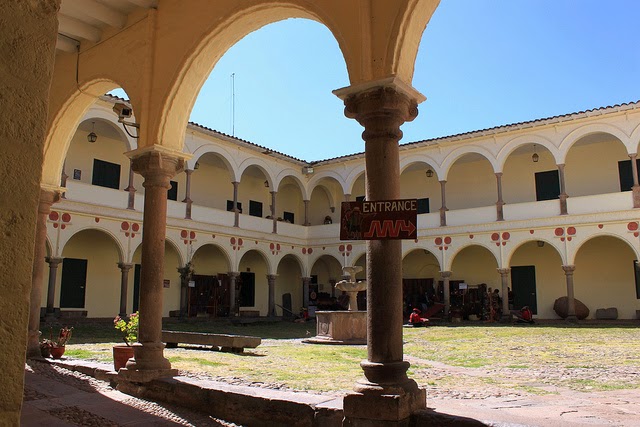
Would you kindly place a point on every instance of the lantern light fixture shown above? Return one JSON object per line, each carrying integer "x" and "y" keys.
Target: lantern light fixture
{"x": 535, "y": 156}
{"x": 429, "y": 173}
{"x": 92, "y": 137}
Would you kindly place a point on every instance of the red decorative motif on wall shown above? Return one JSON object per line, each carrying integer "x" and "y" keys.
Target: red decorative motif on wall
{"x": 345, "y": 250}
{"x": 531, "y": 231}
{"x": 275, "y": 248}
{"x": 600, "y": 226}
{"x": 559, "y": 232}
{"x": 129, "y": 228}
{"x": 236, "y": 244}
{"x": 96, "y": 219}
{"x": 60, "y": 220}
{"x": 442, "y": 243}
{"x": 501, "y": 239}
{"x": 471, "y": 236}
{"x": 188, "y": 236}
{"x": 633, "y": 228}
{"x": 571, "y": 231}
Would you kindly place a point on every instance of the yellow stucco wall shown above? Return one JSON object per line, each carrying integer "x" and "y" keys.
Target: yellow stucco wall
{"x": 476, "y": 265}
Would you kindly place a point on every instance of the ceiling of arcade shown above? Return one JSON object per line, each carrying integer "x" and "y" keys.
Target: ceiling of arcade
{"x": 161, "y": 52}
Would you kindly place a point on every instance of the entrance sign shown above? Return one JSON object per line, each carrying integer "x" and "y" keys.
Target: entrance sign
{"x": 379, "y": 220}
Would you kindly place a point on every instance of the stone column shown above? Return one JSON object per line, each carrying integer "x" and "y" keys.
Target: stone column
{"x": 306, "y": 213}
{"x": 51, "y": 288}
{"x": 563, "y": 192}
{"x": 636, "y": 186}
{"x": 347, "y": 197}
{"x": 124, "y": 286}
{"x": 500, "y": 202}
{"x": 504, "y": 278}
{"x": 233, "y": 308}
{"x": 271, "y": 280}
{"x": 571, "y": 301}
{"x": 131, "y": 189}
{"x": 306, "y": 281}
{"x": 47, "y": 198}
{"x": 386, "y": 394}
{"x": 446, "y": 275}
{"x": 443, "y": 209}
{"x": 187, "y": 196}
{"x": 63, "y": 180}
{"x": 157, "y": 168}
{"x": 273, "y": 211}
{"x": 236, "y": 211}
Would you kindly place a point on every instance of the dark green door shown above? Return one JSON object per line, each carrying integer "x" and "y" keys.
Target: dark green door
{"x": 74, "y": 282}
{"x": 523, "y": 285}
{"x": 136, "y": 287}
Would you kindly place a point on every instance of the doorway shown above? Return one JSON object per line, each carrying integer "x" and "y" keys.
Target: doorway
{"x": 74, "y": 283}
{"x": 523, "y": 285}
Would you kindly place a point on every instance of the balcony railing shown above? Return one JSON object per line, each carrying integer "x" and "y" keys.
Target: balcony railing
{"x": 592, "y": 204}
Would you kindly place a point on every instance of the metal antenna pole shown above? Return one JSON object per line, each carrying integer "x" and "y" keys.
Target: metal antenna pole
{"x": 233, "y": 104}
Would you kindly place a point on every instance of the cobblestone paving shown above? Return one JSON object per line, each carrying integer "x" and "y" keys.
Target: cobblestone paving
{"x": 74, "y": 415}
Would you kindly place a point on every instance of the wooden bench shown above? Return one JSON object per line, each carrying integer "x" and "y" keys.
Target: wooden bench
{"x": 222, "y": 342}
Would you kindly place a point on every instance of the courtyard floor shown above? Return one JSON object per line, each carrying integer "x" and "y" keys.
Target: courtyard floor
{"x": 542, "y": 375}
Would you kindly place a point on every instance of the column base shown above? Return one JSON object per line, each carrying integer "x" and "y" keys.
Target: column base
{"x": 386, "y": 397}
{"x": 33, "y": 345}
{"x": 148, "y": 362}
{"x": 571, "y": 319}
{"x": 144, "y": 376}
{"x": 382, "y": 408}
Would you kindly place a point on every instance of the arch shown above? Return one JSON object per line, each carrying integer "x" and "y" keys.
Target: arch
{"x": 221, "y": 153}
{"x": 63, "y": 124}
{"x": 575, "y": 135}
{"x": 356, "y": 255}
{"x": 317, "y": 258}
{"x": 108, "y": 233}
{"x": 271, "y": 269}
{"x": 524, "y": 140}
{"x": 297, "y": 259}
{"x": 452, "y": 256}
{"x": 168, "y": 242}
{"x": 353, "y": 176}
{"x": 330, "y": 174}
{"x": 420, "y": 248}
{"x": 258, "y": 163}
{"x": 218, "y": 38}
{"x": 227, "y": 256}
{"x": 572, "y": 257}
{"x": 551, "y": 242}
{"x": 425, "y": 159}
{"x": 456, "y": 154}
{"x": 634, "y": 140}
{"x": 289, "y": 172}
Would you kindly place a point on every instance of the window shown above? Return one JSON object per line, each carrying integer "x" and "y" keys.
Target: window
{"x": 361, "y": 198}
{"x": 230, "y": 206}
{"x": 626, "y": 174}
{"x": 423, "y": 206}
{"x": 247, "y": 289}
{"x": 172, "y": 193}
{"x": 255, "y": 208}
{"x": 547, "y": 185}
{"x": 288, "y": 217}
{"x": 636, "y": 273}
{"x": 106, "y": 174}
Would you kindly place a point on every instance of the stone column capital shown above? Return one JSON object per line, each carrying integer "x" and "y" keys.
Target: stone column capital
{"x": 157, "y": 167}
{"x": 445, "y": 274}
{"x": 53, "y": 261}
{"x": 125, "y": 266}
{"x": 48, "y": 196}
{"x": 381, "y": 111}
{"x": 569, "y": 269}
{"x": 272, "y": 276}
{"x": 504, "y": 271}
{"x": 306, "y": 279}
{"x": 233, "y": 274}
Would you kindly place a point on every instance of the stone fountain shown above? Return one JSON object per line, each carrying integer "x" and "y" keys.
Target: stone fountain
{"x": 343, "y": 327}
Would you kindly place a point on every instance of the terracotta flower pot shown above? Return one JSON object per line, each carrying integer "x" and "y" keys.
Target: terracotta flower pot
{"x": 57, "y": 352}
{"x": 121, "y": 353}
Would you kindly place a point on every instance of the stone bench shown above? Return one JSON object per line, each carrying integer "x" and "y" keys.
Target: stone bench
{"x": 223, "y": 342}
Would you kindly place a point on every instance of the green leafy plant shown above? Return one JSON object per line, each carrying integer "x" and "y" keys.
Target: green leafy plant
{"x": 46, "y": 344}
{"x": 129, "y": 327}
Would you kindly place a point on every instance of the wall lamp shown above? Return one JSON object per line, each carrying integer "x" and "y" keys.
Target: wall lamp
{"x": 92, "y": 137}
{"x": 266, "y": 183}
{"x": 535, "y": 156}
{"x": 429, "y": 173}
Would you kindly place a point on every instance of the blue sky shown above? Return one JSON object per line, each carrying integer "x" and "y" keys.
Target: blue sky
{"x": 481, "y": 63}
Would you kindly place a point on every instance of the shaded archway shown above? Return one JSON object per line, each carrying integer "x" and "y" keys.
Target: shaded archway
{"x": 523, "y": 164}
{"x": 89, "y": 278}
{"x": 420, "y": 276}
{"x": 471, "y": 182}
{"x": 419, "y": 180}
{"x": 253, "y": 283}
{"x": 605, "y": 276}
{"x": 325, "y": 201}
{"x": 536, "y": 277}
{"x": 288, "y": 288}
{"x": 210, "y": 295}
{"x": 211, "y": 182}
{"x": 289, "y": 201}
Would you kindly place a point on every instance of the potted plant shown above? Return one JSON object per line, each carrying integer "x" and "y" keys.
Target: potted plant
{"x": 129, "y": 329}
{"x": 55, "y": 348}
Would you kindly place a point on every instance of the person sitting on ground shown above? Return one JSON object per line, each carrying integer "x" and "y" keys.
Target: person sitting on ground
{"x": 524, "y": 315}
{"x": 415, "y": 319}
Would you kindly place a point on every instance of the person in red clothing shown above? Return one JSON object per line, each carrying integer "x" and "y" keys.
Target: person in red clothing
{"x": 415, "y": 319}
{"x": 524, "y": 315}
